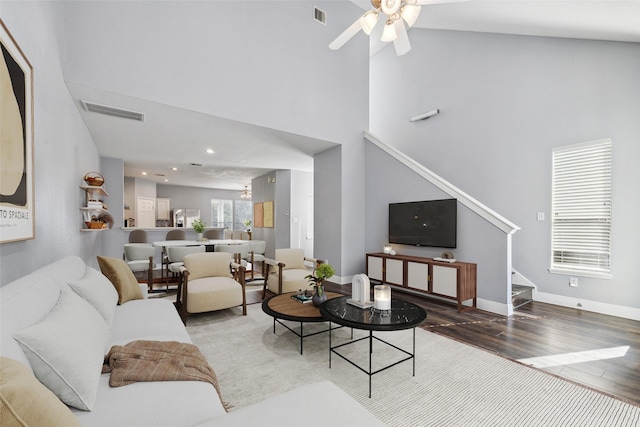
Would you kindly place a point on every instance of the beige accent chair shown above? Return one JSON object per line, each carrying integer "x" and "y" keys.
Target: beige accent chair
{"x": 211, "y": 281}
{"x": 139, "y": 257}
{"x": 288, "y": 271}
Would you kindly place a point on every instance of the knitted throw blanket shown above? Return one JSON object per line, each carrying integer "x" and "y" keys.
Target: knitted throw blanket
{"x": 158, "y": 361}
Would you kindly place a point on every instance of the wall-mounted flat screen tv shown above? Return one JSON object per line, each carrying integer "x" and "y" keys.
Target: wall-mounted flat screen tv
{"x": 426, "y": 223}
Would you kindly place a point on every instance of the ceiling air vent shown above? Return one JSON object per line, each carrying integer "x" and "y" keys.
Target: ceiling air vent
{"x": 195, "y": 164}
{"x": 320, "y": 16}
{"x": 112, "y": 111}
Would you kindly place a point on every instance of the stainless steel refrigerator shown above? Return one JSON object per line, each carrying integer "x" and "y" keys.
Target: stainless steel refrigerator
{"x": 185, "y": 217}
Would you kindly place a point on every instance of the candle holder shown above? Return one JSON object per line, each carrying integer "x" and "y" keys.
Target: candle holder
{"x": 387, "y": 249}
{"x": 382, "y": 298}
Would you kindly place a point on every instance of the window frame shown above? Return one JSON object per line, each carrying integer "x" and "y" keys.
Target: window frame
{"x": 581, "y": 209}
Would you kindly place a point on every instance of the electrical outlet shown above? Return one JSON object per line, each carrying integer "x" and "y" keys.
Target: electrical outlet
{"x": 540, "y": 216}
{"x": 573, "y": 282}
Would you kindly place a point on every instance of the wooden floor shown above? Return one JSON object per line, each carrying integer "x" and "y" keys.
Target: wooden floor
{"x": 598, "y": 351}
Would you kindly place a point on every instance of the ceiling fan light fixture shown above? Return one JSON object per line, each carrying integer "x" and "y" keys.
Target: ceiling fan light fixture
{"x": 389, "y": 7}
{"x": 368, "y": 21}
{"x": 389, "y": 33}
{"x": 410, "y": 14}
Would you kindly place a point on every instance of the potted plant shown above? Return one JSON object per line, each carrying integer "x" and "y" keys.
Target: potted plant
{"x": 320, "y": 273}
{"x": 247, "y": 223}
{"x": 198, "y": 227}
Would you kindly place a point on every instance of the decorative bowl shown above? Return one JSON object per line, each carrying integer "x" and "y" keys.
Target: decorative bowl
{"x": 94, "y": 179}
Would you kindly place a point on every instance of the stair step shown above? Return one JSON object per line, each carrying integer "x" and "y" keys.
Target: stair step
{"x": 521, "y": 295}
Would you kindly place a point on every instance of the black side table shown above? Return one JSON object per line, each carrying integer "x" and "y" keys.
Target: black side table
{"x": 403, "y": 315}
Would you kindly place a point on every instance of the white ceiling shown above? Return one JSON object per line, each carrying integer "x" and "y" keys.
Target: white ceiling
{"x": 245, "y": 151}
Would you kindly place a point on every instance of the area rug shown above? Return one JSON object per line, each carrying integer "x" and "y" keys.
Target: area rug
{"x": 454, "y": 384}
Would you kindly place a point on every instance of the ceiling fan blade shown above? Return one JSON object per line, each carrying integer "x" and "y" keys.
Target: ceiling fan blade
{"x": 401, "y": 43}
{"x": 426, "y": 2}
{"x": 346, "y": 35}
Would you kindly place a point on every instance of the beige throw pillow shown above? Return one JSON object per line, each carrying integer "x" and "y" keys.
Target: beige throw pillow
{"x": 119, "y": 273}
{"x": 24, "y": 401}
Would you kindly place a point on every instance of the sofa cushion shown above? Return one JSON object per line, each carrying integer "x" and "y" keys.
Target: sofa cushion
{"x": 24, "y": 401}
{"x": 66, "y": 349}
{"x": 213, "y": 293}
{"x": 208, "y": 264}
{"x": 98, "y": 291}
{"x": 119, "y": 273}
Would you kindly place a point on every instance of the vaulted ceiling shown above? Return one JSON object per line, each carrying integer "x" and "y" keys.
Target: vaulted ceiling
{"x": 175, "y": 136}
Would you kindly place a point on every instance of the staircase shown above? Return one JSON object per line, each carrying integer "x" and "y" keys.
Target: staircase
{"x": 521, "y": 295}
{"x": 521, "y": 290}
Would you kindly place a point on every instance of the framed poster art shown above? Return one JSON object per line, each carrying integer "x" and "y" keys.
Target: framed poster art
{"x": 258, "y": 215}
{"x": 17, "y": 214}
{"x": 268, "y": 214}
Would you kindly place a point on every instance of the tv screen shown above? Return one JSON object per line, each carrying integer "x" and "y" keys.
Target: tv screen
{"x": 427, "y": 223}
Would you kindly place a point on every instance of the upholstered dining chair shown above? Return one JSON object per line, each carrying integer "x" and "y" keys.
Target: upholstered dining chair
{"x": 138, "y": 236}
{"x": 215, "y": 234}
{"x": 139, "y": 257}
{"x": 175, "y": 235}
{"x": 176, "y": 255}
{"x": 288, "y": 271}
{"x": 256, "y": 254}
{"x": 171, "y": 235}
{"x": 211, "y": 281}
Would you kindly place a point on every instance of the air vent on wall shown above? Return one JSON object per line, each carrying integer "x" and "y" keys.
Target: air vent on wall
{"x": 112, "y": 111}
{"x": 319, "y": 15}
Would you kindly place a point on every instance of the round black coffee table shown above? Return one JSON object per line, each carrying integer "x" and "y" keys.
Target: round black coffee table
{"x": 403, "y": 315}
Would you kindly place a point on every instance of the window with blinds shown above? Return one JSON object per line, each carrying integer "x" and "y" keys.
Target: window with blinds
{"x": 581, "y": 209}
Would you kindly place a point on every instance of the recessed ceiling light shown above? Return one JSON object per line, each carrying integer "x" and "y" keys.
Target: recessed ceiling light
{"x": 166, "y": 180}
{"x": 174, "y": 169}
{"x": 209, "y": 151}
{"x": 144, "y": 173}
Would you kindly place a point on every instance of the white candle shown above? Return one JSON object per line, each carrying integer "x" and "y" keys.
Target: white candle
{"x": 387, "y": 249}
{"x": 382, "y": 297}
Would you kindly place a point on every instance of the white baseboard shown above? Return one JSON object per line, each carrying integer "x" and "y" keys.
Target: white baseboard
{"x": 494, "y": 307}
{"x": 587, "y": 305}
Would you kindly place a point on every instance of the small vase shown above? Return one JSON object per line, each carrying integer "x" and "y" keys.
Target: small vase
{"x": 200, "y": 237}
{"x": 317, "y": 299}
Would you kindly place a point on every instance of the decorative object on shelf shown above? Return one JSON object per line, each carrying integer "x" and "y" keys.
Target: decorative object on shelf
{"x": 320, "y": 273}
{"x": 106, "y": 218}
{"x": 394, "y": 13}
{"x": 198, "y": 227}
{"x": 382, "y": 297}
{"x": 94, "y": 225}
{"x": 94, "y": 179}
{"x": 392, "y": 252}
{"x": 246, "y": 193}
{"x": 387, "y": 249}
{"x": 360, "y": 291}
{"x": 17, "y": 194}
{"x": 247, "y": 223}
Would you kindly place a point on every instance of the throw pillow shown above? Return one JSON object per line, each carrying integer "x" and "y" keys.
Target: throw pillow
{"x": 24, "y": 401}
{"x": 119, "y": 273}
{"x": 98, "y": 291}
{"x": 208, "y": 264}
{"x": 66, "y": 349}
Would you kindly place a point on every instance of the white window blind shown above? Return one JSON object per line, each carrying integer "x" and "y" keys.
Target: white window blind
{"x": 581, "y": 206}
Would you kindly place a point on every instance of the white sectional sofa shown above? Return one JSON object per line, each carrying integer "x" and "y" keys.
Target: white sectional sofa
{"x": 61, "y": 320}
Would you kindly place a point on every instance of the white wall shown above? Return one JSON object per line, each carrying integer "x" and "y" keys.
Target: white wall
{"x": 63, "y": 149}
{"x": 506, "y": 102}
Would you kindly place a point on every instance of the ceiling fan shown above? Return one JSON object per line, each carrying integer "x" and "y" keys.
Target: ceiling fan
{"x": 397, "y": 13}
